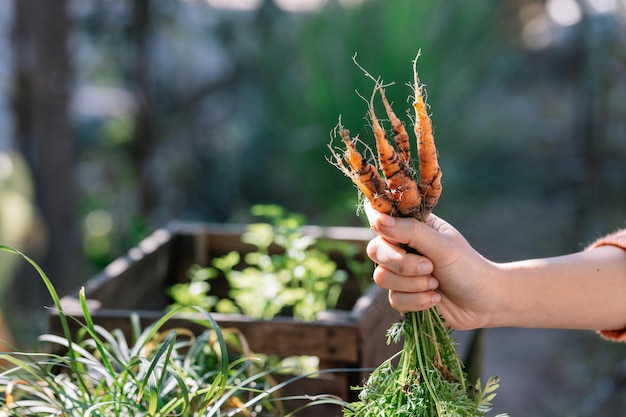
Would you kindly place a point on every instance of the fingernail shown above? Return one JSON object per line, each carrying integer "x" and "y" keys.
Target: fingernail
{"x": 436, "y": 297}
{"x": 423, "y": 268}
{"x": 432, "y": 284}
{"x": 386, "y": 220}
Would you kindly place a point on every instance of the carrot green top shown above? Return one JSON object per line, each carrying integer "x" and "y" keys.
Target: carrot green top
{"x": 614, "y": 239}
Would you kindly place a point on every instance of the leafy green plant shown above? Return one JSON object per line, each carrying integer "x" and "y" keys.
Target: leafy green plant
{"x": 162, "y": 372}
{"x": 424, "y": 379}
{"x": 287, "y": 271}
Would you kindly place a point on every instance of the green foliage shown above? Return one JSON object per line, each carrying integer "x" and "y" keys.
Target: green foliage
{"x": 428, "y": 379}
{"x": 287, "y": 271}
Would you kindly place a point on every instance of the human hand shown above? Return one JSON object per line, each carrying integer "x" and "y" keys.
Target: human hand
{"x": 446, "y": 272}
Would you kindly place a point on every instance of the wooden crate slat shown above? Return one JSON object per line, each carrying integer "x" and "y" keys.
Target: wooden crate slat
{"x": 330, "y": 341}
{"x": 140, "y": 272}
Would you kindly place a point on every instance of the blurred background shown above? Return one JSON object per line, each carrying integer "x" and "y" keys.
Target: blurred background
{"x": 119, "y": 116}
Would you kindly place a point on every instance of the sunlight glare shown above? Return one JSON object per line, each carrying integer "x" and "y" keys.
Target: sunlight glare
{"x": 603, "y": 6}
{"x": 235, "y": 4}
{"x": 564, "y": 12}
{"x": 286, "y": 5}
{"x": 536, "y": 32}
{"x": 300, "y": 5}
{"x": 6, "y": 166}
{"x": 98, "y": 223}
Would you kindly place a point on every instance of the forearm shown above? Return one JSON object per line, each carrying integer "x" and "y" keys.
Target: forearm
{"x": 585, "y": 290}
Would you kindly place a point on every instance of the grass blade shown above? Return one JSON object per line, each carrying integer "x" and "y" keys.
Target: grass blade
{"x": 57, "y": 302}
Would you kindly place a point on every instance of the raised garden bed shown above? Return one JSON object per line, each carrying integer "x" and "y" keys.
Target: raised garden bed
{"x": 350, "y": 337}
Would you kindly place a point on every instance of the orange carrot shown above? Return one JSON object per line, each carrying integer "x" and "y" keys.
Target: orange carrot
{"x": 399, "y": 177}
{"x": 400, "y": 136}
{"x": 365, "y": 176}
{"x": 430, "y": 172}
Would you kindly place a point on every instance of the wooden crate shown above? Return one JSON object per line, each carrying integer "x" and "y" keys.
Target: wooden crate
{"x": 353, "y": 337}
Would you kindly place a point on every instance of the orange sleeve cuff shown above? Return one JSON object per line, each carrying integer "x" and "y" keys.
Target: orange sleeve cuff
{"x": 614, "y": 239}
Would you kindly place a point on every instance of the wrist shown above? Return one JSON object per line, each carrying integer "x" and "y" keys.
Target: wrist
{"x": 504, "y": 308}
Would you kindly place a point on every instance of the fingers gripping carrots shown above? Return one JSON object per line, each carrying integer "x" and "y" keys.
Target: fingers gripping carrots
{"x": 399, "y": 193}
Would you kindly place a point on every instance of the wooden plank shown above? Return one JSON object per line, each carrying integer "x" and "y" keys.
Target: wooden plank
{"x": 329, "y": 341}
{"x": 286, "y": 337}
{"x": 374, "y": 316}
{"x": 136, "y": 279}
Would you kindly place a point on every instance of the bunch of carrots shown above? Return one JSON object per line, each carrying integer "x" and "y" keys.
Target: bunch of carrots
{"x": 426, "y": 378}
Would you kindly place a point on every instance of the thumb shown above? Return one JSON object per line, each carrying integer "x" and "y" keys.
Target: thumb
{"x": 430, "y": 239}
